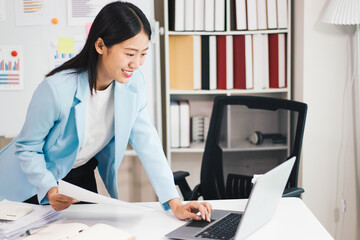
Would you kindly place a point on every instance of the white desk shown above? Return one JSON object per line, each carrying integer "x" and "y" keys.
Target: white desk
{"x": 293, "y": 220}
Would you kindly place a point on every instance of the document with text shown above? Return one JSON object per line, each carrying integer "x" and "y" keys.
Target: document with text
{"x": 81, "y": 194}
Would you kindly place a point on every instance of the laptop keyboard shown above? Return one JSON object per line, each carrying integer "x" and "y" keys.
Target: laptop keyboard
{"x": 224, "y": 228}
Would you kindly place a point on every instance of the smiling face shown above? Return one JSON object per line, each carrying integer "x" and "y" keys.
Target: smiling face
{"x": 120, "y": 60}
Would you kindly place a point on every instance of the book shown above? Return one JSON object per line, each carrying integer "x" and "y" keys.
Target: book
{"x": 232, "y": 13}
{"x": 251, "y": 14}
{"x": 282, "y": 14}
{"x": 179, "y": 18}
{"x": 199, "y": 11}
{"x": 205, "y": 80}
{"x": 181, "y": 62}
{"x": 239, "y": 62}
{"x": 277, "y": 60}
{"x": 229, "y": 62}
{"x": 189, "y": 15}
{"x": 80, "y": 231}
{"x": 271, "y": 14}
{"x": 171, "y": 15}
{"x": 260, "y": 61}
{"x": 221, "y": 61}
{"x": 209, "y": 15}
{"x": 282, "y": 61}
{"x": 219, "y": 15}
{"x": 184, "y": 110}
{"x": 261, "y": 14}
{"x": 240, "y": 14}
{"x": 266, "y": 73}
{"x": 197, "y": 62}
{"x": 176, "y": 12}
{"x": 212, "y": 63}
{"x": 175, "y": 124}
{"x": 249, "y": 62}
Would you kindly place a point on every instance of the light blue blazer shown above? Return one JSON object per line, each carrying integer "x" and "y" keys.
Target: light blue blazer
{"x": 47, "y": 146}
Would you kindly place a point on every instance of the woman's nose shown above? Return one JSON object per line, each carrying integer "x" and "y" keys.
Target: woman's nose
{"x": 135, "y": 64}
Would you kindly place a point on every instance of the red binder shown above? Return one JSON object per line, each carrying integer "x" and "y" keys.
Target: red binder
{"x": 221, "y": 61}
{"x": 277, "y": 63}
{"x": 239, "y": 62}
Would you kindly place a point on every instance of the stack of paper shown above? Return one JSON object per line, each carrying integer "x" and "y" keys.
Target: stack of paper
{"x": 38, "y": 217}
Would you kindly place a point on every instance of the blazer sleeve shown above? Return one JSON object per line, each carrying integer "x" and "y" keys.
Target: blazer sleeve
{"x": 146, "y": 143}
{"x": 42, "y": 114}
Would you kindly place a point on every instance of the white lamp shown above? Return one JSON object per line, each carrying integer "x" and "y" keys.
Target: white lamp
{"x": 343, "y": 12}
{"x": 347, "y": 12}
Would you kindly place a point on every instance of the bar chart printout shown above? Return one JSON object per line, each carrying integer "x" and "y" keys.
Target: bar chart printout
{"x": 11, "y": 77}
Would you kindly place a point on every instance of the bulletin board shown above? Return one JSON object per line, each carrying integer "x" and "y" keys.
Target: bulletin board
{"x": 35, "y": 38}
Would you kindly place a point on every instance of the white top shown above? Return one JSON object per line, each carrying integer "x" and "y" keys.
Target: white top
{"x": 99, "y": 124}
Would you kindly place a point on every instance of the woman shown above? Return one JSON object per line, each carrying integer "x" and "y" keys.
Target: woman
{"x": 83, "y": 115}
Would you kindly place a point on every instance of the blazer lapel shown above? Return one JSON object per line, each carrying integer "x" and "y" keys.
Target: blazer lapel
{"x": 80, "y": 99}
{"x": 124, "y": 113}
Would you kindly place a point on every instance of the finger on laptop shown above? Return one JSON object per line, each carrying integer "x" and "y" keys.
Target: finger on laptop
{"x": 209, "y": 209}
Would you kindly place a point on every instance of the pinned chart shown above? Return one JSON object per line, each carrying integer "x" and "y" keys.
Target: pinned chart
{"x": 38, "y": 12}
{"x": 63, "y": 49}
{"x": 11, "y": 76}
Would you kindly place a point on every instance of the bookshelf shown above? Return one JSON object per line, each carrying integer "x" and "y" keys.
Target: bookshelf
{"x": 201, "y": 100}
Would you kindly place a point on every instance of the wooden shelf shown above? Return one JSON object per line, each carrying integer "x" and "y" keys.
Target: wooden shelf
{"x": 226, "y": 92}
{"x": 174, "y": 33}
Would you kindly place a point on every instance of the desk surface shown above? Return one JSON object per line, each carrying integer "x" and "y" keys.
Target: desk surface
{"x": 293, "y": 220}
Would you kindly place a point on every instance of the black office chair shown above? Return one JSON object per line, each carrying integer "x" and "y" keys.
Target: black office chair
{"x": 247, "y": 135}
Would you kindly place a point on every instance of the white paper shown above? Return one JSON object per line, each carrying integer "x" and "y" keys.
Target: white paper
{"x": 12, "y": 211}
{"x": 40, "y": 216}
{"x": 81, "y": 12}
{"x": 2, "y": 10}
{"x": 81, "y": 194}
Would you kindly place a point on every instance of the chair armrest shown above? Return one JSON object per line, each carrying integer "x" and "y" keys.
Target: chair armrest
{"x": 180, "y": 175}
{"x": 187, "y": 193}
{"x": 293, "y": 192}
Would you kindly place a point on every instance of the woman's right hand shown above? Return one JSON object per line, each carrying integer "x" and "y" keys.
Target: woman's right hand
{"x": 58, "y": 201}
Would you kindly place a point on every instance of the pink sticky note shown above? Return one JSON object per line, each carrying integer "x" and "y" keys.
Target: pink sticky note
{"x": 88, "y": 26}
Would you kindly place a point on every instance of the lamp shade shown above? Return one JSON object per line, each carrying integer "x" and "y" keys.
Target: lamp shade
{"x": 346, "y": 12}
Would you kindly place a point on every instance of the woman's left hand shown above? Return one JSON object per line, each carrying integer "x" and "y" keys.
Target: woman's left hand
{"x": 194, "y": 210}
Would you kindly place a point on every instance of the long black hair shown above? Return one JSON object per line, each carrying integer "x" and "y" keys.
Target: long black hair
{"x": 115, "y": 23}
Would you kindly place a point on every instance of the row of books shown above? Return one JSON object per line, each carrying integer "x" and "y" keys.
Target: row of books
{"x": 210, "y": 15}
{"x": 196, "y": 15}
{"x": 186, "y": 129}
{"x": 259, "y": 14}
{"x": 254, "y": 61}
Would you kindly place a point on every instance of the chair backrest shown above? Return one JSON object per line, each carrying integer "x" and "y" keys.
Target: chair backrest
{"x": 228, "y": 152}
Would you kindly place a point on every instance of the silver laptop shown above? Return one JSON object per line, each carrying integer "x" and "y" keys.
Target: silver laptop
{"x": 260, "y": 208}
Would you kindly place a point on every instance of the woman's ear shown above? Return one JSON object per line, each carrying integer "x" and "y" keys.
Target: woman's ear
{"x": 100, "y": 45}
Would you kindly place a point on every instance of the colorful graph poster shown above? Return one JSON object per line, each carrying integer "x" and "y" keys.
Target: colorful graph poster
{"x": 39, "y": 12}
{"x": 11, "y": 68}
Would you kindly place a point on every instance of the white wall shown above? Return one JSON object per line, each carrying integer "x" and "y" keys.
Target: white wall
{"x": 321, "y": 70}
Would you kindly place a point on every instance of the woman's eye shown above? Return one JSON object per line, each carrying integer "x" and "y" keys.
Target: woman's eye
{"x": 144, "y": 54}
{"x": 130, "y": 54}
